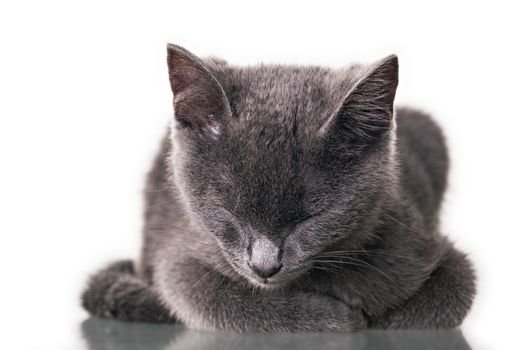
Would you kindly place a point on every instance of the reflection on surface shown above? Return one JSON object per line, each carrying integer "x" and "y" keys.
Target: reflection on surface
{"x": 111, "y": 335}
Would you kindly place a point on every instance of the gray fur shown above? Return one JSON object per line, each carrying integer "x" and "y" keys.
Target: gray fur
{"x": 290, "y": 198}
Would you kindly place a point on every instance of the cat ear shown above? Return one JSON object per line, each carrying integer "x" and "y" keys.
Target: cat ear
{"x": 199, "y": 101}
{"x": 366, "y": 112}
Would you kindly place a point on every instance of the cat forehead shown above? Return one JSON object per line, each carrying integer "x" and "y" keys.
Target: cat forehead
{"x": 279, "y": 108}
{"x": 280, "y": 91}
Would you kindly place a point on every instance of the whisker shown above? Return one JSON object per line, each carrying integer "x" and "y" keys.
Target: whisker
{"x": 362, "y": 263}
{"x": 339, "y": 271}
{"x": 339, "y": 253}
{"x": 402, "y": 224}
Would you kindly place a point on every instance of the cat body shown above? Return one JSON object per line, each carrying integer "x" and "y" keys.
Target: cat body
{"x": 288, "y": 198}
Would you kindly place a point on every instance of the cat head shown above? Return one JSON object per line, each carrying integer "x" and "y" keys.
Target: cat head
{"x": 281, "y": 163}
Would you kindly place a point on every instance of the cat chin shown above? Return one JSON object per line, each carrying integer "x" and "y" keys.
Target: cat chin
{"x": 267, "y": 284}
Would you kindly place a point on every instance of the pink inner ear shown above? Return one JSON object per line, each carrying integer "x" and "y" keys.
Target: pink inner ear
{"x": 199, "y": 100}
{"x": 366, "y": 112}
{"x": 196, "y": 113}
{"x": 183, "y": 73}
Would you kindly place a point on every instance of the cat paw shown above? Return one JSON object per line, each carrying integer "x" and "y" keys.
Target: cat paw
{"x": 122, "y": 266}
{"x": 103, "y": 284}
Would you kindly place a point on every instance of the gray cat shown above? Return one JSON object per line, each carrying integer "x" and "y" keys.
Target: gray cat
{"x": 289, "y": 198}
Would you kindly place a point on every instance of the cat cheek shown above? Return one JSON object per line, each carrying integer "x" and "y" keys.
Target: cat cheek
{"x": 233, "y": 238}
{"x": 292, "y": 253}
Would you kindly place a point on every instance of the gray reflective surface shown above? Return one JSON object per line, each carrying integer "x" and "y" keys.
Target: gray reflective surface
{"x": 111, "y": 335}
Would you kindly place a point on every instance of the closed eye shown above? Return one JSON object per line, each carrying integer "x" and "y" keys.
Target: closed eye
{"x": 302, "y": 220}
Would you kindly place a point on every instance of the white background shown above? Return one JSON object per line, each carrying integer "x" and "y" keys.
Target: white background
{"x": 84, "y": 100}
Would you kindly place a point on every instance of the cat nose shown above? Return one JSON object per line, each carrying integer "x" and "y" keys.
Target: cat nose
{"x": 264, "y": 258}
{"x": 266, "y": 271}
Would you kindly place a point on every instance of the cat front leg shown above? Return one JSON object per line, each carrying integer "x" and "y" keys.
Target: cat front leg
{"x": 203, "y": 298}
{"x": 442, "y": 302}
{"x": 116, "y": 292}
